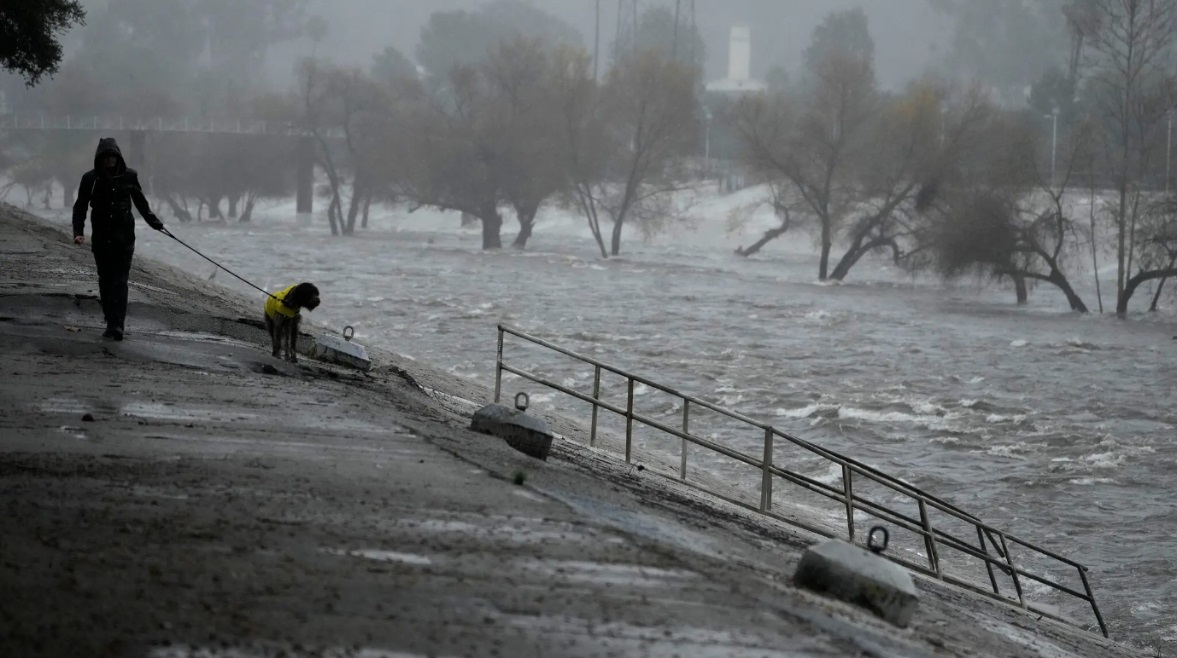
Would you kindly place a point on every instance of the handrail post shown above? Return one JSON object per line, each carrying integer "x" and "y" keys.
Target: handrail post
{"x": 988, "y": 564}
{"x": 1013, "y": 571}
{"x": 629, "y": 424}
{"x": 686, "y": 420}
{"x": 596, "y": 409}
{"x": 1091, "y": 597}
{"x": 499, "y": 368}
{"x": 848, "y": 492}
{"x": 766, "y": 479}
{"x": 929, "y": 539}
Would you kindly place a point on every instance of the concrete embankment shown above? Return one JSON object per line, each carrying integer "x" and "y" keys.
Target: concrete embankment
{"x": 182, "y": 493}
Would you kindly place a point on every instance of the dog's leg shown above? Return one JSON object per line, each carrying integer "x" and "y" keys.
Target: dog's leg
{"x": 294, "y": 322}
{"x": 272, "y": 329}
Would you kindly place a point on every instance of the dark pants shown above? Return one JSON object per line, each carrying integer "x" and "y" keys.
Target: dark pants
{"x": 114, "y": 266}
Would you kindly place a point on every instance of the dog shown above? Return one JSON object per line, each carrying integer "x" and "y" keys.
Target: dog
{"x": 283, "y": 315}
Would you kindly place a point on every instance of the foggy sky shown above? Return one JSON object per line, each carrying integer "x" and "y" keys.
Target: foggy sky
{"x": 906, "y": 32}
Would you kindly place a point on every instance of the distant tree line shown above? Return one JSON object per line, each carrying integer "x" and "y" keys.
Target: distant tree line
{"x": 500, "y": 112}
{"x": 952, "y": 180}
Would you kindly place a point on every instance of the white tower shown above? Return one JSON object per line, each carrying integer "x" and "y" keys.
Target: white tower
{"x": 739, "y": 57}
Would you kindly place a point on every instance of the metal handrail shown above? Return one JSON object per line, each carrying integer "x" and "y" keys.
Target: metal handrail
{"x": 934, "y": 538}
{"x": 231, "y": 126}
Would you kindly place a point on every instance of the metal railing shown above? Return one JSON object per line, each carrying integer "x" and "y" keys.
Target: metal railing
{"x": 230, "y": 126}
{"x": 852, "y": 471}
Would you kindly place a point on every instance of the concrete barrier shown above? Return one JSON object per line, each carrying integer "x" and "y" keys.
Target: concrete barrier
{"x": 854, "y": 575}
{"x": 523, "y": 432}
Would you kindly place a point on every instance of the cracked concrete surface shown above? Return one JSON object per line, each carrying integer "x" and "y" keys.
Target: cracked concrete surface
{"x": 183, "y": 494}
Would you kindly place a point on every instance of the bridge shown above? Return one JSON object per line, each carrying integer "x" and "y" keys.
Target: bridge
{"x": 137, "y": 129}
{"x": 94, "y": 123}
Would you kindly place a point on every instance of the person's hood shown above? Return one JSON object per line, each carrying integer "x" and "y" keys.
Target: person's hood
{"x": 108, "y": 145}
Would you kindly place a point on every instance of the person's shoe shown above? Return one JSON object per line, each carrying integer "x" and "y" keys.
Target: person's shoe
{"x": 114, "y": 333}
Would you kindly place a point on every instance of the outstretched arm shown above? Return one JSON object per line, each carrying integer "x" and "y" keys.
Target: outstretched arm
{"x": 82, "y": 204}
{"x": 142, "y": 206}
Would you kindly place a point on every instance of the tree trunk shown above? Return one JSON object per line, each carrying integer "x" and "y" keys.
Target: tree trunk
{"x": 1022, "y": 292}
{"x": 855, "y": 253}
{"x": 214, "y": 208}
{"x": 827, "y": 244}
{"x": 181, "y": 212}
{"x": 618, "y": 224}
{"x": 492, "y": 224}
{"x": 353, "y": 210}
{"x": 1134, "y": 283}
{"x": 1156, "y": 298}
{"x": 367, "y": 207}
{"x": 768, "y": 236}
{"x": 334, "y": 214}
{"x": 1073, "y": 299}
{"x": 247, "y": 214}
{"x": 526, "y": 215}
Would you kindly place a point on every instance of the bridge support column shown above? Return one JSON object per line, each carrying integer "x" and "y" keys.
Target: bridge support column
{"x": 137, "y": 158}
{"x": 305, "y": 179}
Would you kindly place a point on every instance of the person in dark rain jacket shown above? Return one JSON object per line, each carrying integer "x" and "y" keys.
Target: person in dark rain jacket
{"x": 109, "y": 189}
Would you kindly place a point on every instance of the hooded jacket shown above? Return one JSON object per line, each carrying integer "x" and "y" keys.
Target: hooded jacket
{"x": 110, "y": 194}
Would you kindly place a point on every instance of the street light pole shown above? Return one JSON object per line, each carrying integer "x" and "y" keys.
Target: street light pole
{"x": 707, "y": 143}
{"x": 1168, "y": 150}
{"x": 597, "y": 46}
{"x": 1053, "y": 116}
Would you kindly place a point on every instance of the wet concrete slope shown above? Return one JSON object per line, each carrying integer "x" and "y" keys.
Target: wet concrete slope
{"x": 183, "y": 494}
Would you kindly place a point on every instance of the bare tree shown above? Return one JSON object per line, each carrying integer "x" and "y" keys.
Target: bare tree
{"x": 452, "y": 154}
{"x": 523, "y": 113}
{"x": 1130, "y": 46}
{"x": 648, "y": 110}
{"x": 856, "y": 163}
{"x": 1007, "y": 219}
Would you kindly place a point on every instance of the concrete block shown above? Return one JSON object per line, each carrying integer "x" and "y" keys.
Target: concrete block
{"x": 521, "y": 431}
{"x": 854, "y": 575}
{"x": 341, "y": 351}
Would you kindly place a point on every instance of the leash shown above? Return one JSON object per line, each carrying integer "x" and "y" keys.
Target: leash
{"x": 168, "y": 233}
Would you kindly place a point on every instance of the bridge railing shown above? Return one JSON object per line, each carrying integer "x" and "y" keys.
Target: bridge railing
{"x": 40, "y": 121}
{"x": 993, "y": 547}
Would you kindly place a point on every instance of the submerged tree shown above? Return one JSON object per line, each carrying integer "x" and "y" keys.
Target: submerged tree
{"x": 1129, "y": 45}
{"x": 625, "y": 141}
{"x": 1007, "y": 218}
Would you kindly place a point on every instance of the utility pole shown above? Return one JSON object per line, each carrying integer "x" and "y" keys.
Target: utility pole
{"x": 1053, "y": 116}
{"x": 597, "y": 46}
{"x": 1169, "y": 150}
{"x": 674, "y": 44}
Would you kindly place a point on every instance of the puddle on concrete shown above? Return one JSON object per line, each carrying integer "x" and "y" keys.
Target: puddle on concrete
{"x": 523, "y": 493}
{"x": 607, "y": 574}
{"x": 153, "y": 492}
{"x": 1027, "y": 639}
{"x": 513, "y": 530}
{"x": 660, "y": 641}
{"x": 63, "y": 406}
{"x": 206, "y": 338}
{"x": 383, "y": 556}
{"x": 281, "y": 650}
{"x": 74, "y": 432}
{"x": 158, "y": 411}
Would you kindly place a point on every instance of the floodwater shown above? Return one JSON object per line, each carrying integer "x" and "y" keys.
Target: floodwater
{"x": 1056, "y": 427}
